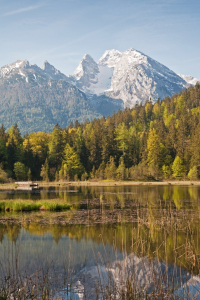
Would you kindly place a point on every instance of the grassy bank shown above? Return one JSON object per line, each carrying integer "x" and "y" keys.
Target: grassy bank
{"x": 30, "y": 205}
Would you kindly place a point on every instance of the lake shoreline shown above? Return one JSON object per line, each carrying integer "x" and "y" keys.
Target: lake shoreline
{"x": 11, "y": 186}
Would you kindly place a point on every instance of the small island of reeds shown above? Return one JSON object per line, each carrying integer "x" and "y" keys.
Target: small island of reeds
{"x": 31, "y": 205}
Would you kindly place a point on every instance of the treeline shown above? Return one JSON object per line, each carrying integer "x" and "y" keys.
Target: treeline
{"x": 160, "y": 141}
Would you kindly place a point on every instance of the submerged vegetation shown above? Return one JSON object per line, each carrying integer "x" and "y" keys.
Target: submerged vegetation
{"x": 149, "y": 142}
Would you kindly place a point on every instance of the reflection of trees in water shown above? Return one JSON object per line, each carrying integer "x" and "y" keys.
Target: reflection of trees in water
{"x": 166, "y": 227}
{"x": 167, "y": 244}
{"x": 12, "y": 231}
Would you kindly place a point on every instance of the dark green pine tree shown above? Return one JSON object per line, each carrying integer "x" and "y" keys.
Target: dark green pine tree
{"x": 80, "y": 147}
{"x": 95, "y": 146}
{"x": 170, "y": 142}
{"x": 3, "y": 134}
{"x": 195, "y": 147}
{"x": 109, "y": 144}
{"x": 56, "y": 147}
{"x": 182, "y": 135}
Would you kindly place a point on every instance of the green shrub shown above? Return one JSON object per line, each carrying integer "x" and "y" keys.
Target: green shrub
{"x": 178, "y": 168}
{"x": 3, "y": 176}
{"x": 166, "y": 171}
{"x": 193, "y": 173}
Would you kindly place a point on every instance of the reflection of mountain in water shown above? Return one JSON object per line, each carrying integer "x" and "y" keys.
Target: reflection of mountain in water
{"x": 142, "y": 273}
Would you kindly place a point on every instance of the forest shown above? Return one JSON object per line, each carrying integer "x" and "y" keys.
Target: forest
{"x": 159, "y": 141}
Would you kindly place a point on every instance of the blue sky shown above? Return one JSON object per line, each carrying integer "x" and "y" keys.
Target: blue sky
{"x": 62, "y": 31}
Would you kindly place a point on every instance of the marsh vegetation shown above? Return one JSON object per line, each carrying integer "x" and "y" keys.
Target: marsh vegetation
{"x": 140, "y": 241}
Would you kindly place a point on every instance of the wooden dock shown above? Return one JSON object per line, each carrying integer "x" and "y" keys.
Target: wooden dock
{"x": 26, "y": 185}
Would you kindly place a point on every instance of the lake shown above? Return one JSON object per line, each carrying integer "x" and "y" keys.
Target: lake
{"x": 148, "y": 228}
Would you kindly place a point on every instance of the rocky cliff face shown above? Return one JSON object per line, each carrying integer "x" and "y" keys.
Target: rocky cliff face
{"x": 23, "y": 71}
{"x": 38, "y": 98}
{"x": 131, "y": 76}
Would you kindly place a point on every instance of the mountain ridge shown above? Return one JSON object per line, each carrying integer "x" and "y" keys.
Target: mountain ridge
{"x": 132, "y": 77}
{"x": 116, "y": 81}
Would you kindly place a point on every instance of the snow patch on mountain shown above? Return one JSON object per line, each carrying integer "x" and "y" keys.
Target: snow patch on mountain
{"x": 110, "y": 58}
{"x": 86, "y": 73}
{"x": 189, "y": 79}
{"x": 31, "y": 73}
{"x": 6, "y": 70}
{"x": 137, "y": 78}
{"x": 130, "y": 76}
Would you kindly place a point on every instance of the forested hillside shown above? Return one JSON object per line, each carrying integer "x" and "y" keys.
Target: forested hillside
{"x": 159, "y": 141}
{"x": 37, "y": 107}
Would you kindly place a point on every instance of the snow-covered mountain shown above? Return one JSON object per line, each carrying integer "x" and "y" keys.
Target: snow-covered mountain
{"x": 120, "y": 78}
{"x": 130, "y": 76}
{"x": 189, "y": 79}
{"x": 23, "y": 71}
{"x": 116, "y": 81}
{"x": 37, "y": 98}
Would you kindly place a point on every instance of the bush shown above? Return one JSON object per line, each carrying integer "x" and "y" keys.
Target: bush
{"x": 178, "y": 168}
{"x": 3, "y": 176}
{"x": 193, "y": 173}
{"x": 84, "y": 176}
{"x": 166, "y": 171}
{"x": 139, "y": 172}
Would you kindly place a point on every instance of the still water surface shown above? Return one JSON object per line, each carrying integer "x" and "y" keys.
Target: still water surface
{"x": 149, "y": 222}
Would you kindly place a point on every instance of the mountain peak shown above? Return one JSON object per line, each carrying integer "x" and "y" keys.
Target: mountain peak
{"x": 87, "y": 57}
{"x": 86, "y": 68}
{"x": 47, "y": 66}
{"x": 110, "y": 58}
{"x": 13, "y": 67}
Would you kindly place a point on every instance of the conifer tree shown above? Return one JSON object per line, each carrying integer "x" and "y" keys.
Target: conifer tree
{"x": 178, "y": 168}
{"x": 122, "y": 135}
{"x": 45, "y": 171}
{"x": 110, "y": 170}
{"x": 121, "y": 170}
{"x": 56, "y": 146}
{"x": 71, "y": 163}
{"x": 155, "y": 149}
{"x": 20, "y": 171}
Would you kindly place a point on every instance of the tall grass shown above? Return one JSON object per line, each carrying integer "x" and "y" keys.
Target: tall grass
{"x": 100, "y": 282}
{"x": 106, "y": 280}
{"x": 31, "y": 205}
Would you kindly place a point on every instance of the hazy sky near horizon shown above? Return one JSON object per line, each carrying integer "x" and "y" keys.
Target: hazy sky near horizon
{"x": 62, "y": 31}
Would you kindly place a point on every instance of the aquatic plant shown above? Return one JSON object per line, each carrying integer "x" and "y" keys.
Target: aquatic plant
{"x": 31, "y": 205}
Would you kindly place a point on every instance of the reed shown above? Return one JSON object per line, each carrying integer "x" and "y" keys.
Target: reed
{"x": 31, "y": 205}
{"x": 118, "y": 280}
